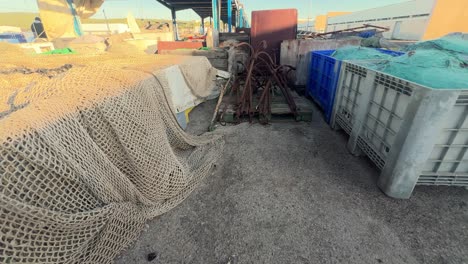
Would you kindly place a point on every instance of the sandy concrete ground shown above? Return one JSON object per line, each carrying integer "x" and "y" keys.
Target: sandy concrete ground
{"x": 291, "y": 193}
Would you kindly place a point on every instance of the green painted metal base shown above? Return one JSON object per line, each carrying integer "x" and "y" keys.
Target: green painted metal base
{"x": 279, "y": 110}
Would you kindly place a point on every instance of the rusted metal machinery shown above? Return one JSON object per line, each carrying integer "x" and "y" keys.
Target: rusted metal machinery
{"x": 253, "y": 89}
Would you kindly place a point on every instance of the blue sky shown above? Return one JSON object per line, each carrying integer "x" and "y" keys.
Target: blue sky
{"x": 152, "y": 9}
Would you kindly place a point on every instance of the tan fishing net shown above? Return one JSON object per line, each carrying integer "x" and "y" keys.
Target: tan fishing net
{"x": 90, "y": 150}
{"x": 199, "y": 79}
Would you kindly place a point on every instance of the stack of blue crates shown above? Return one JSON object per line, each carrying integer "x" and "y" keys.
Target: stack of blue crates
{"x": 324, "y": 72}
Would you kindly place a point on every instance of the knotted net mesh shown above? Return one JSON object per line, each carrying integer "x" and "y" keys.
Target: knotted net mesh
{"x": 90, "y": 150}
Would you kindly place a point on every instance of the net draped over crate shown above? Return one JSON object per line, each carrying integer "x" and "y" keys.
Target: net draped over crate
{"x": 90, "y": 150}
{"x": 441, "y": 63}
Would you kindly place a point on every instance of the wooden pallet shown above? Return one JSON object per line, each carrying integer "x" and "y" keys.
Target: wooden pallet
{"x": 279, "y": 109}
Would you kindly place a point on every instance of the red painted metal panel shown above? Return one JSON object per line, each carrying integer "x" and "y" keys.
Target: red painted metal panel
{"x": 173, "y": 45}
{"x": 274, "y": 26}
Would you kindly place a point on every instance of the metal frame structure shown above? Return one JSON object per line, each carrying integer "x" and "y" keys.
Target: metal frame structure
{"x": 307, "y": 34}
{"x": 219, "y": 10}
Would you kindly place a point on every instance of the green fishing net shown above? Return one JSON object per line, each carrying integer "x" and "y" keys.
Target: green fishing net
{"x": 360, "y": 53}
{"x": 441, "y": 63}
{"x": 454, "y": 42}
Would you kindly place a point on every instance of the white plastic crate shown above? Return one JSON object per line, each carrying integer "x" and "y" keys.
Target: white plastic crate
{"x": 347, "y": 96}
{"x": 413, "y": 133}
{"x": 448, "y": 162}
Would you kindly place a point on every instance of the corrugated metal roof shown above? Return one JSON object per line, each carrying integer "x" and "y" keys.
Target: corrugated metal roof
{"x": 202, "y": 7}
{"x": 400, "y": 10}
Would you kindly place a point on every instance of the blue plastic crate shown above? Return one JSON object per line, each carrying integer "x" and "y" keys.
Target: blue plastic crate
{"x": 13, "y": 38}
{"x": 324, "y": 73}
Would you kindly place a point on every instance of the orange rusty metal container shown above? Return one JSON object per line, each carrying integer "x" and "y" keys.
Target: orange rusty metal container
{"x": 173, "y": 45}
{"x": 274, "y": 26}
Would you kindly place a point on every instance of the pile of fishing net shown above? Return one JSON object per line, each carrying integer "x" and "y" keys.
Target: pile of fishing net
{"x": 362, "y": 53}
{"x": 440, "y": 63}
{"x": 89, "y": 150}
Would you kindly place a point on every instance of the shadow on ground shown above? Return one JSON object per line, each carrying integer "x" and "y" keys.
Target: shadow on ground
{"x": 291, "y": 193}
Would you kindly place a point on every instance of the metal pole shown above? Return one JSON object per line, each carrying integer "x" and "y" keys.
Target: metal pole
{"x": 76, "y": 18}
{"x": 107, "y": 22}
{"x": 219, "y": 15}
{"x": 220, "y": 99}
{"x": 237, "y": 17}
{"x": 214, "y": 7}
{"x": 174, "y": 23}
{"x": 203, "y": 25}
{"x": 229, "y": 13}
{"x": 241, "y": 17}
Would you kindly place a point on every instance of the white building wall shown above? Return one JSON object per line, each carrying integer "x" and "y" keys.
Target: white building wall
{"x": 406, "y": 20}
{"x": 307, "y": 26}
{"x": 104, "y": 28}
